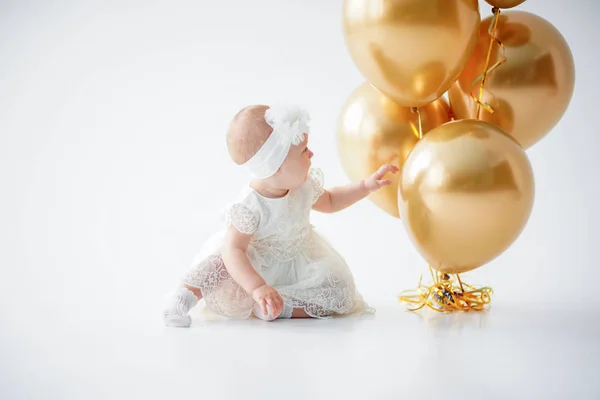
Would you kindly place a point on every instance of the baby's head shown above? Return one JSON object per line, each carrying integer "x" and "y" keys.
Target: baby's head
{"x": 272, "y": 143}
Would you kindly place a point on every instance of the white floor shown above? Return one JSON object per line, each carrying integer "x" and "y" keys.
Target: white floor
{"x": 505, "y": 353}
{"x": 113, "y": 169}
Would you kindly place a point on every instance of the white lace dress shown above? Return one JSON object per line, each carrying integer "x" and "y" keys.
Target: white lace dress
{"x": 285, "y": 250}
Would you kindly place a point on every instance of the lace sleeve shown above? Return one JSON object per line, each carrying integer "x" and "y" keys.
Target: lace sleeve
{"x": 316, "y": 180}
{"x": 242, "y": 218}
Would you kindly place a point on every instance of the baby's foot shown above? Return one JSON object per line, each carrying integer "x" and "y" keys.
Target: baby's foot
{"x": 258, "y": 313}
{"x": 285, "y": 314}
{"x": 176, "y": 312}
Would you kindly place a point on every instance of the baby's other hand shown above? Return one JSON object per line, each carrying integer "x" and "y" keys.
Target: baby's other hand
{"x": 265, "y": 296}
{"x": 376, "y": 181}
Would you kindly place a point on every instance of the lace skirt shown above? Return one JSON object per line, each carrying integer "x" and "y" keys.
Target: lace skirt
{"x": 317, "y": 280}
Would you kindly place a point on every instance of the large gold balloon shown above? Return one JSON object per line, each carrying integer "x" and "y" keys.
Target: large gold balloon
{"x": 531, "y": 91}
{"x": 505, "y": 3}
{"x": 411, "y": 50}
{"x": 466, "y": 193}
{"x": 374, "y": 130}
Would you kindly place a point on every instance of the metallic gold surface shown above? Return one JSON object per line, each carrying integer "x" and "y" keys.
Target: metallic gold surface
{"x": 530, "y": 92}
{"x": 411, "y": 50}
{"x": 374, "y": 130}
{"x": 505, "y": 3}
{"x": 466, "y": 193}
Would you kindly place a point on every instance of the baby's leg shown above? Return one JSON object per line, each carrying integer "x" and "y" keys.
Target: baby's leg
{"x": 208, "y": 278}
{"x": 179, "y": 304}
{"x": 300, "y": 313}
{"x": 286, "y": 313}
{"x": 194, "y": 290}
{"x": 184, "y": 298}
{"x": 334, "y": 296}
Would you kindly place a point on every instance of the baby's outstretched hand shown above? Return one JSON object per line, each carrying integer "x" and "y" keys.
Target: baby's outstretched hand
{"x": 376, "y": 181}
{"x": 265, "y": 296}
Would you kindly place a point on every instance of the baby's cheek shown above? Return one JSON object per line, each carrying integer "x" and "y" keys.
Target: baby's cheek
{"x": 301, "y": 165}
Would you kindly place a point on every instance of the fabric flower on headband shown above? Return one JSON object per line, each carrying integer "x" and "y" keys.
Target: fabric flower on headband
{"x": 289, "y": 126}
{"x": 289, "y": 121}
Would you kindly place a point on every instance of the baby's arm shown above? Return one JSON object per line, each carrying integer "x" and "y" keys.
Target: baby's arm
{"x": 338, "y": 198}
{"x": 239, "y": 267}
{"x": 237, "y": 262}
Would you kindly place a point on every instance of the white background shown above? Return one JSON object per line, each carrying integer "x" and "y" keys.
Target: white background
{"x": 113, "y": 171}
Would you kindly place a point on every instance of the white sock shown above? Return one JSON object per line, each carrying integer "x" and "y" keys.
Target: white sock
{"x": 176, "y": 312}
{"x": 258, "y": 313}
{"x": 285, "y": 314}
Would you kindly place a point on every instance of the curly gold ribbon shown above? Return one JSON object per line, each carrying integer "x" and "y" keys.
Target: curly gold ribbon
{"x": 487, "y": 69}
{"x": 444, "y": 295}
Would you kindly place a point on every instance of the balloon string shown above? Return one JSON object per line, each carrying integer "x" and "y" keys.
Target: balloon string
{"x": 462, "y": 289}
{"x": 487, "y": 69}
{"x": 443, "y": 295}
{"x": 416, "y": 110}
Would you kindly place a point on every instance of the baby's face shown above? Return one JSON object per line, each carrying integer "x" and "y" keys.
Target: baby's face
{"x": 294, "y": 170}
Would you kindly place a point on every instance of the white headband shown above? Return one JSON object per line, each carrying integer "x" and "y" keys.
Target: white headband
{"x": 289, "y": 126}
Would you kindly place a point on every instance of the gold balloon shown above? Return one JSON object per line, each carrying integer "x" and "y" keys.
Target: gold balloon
{"x": 505, "y": 3}
{"x": 466, "y": 193}
{"x": 374, "y": 130}
{"x": 532, "y": 90}
{"x": 411, "y": 50}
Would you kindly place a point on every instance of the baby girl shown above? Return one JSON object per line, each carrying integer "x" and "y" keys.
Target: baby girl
{"x": 268, "y": 261}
